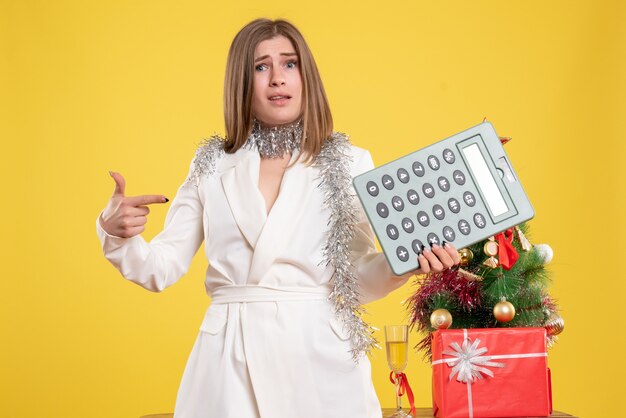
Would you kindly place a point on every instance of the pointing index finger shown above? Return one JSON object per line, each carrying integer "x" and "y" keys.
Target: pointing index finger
{"x": 147, "y": 199}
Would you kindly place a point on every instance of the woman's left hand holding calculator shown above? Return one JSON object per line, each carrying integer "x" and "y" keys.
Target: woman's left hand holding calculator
{"x": 437, "y": 258}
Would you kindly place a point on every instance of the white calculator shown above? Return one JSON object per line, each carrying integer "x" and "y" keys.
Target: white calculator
{"x": 461, "y": 190}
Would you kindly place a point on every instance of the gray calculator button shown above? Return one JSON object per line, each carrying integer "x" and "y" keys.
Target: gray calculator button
{"x": 382, "y": 210}
{"x": 464, "y": 227}
{"x": 480, "y": 221}
{"x": 403, "y": 175}
{"x": 413, "y": 197}
{"x": 397, "y": 203}
{"x": 388, "y": 182}
{"x": 443, "y": 183}
{"x": 448, "y": 155}
{"x": 402, "y": 253}
{"x": 407, "y": 225}
{"x": 433, "y": 162}
{"x": 372, "y": 188}
{"x": 417, "y": 246}
{"x": 469, "y": 198}
{"x": 392, "y": 232}
{"x": 418, "y": 169}
{"x": 428, "y": 189}
{"x": 439, "y": 212}
{"x": 454, "y": 205}
{"x": 448, "y": 234}
{"x": 422, "y": 218}
{"x": 459, "y": 177}
{"x": 433, "y": 239}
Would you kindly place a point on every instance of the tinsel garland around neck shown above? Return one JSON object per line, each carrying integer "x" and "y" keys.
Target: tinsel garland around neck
{"x": 333, "y": 162}
{"x": 204, "y": 163}
{"x": 275, "y": 141}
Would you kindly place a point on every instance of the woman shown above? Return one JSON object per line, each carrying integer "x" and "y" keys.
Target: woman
{"x": 291, "y": 254}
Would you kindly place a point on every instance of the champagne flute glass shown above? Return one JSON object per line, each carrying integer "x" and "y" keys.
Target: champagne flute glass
{"x": 397, "y": 344}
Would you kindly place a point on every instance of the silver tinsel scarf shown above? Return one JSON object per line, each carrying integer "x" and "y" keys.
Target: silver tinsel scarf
{"x": 333, "y": 163}
{"x": 275, "y": 141}
{"x": 205, "y": 160}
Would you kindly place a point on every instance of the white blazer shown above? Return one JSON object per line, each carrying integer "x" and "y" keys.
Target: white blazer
{"x": 269, "y": 345}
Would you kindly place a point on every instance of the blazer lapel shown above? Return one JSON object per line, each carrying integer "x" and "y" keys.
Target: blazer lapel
{"x": 240, "y": 184}
{"x": 285, "y": 215}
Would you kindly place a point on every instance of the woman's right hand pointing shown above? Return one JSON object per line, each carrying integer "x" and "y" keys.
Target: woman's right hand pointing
{"x": 124, "y": 216}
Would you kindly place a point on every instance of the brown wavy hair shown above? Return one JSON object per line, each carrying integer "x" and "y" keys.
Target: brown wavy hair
{"x": 316, "y": 117}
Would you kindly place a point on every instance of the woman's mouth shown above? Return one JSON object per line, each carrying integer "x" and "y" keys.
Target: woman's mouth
{"x": 279, "y": 99}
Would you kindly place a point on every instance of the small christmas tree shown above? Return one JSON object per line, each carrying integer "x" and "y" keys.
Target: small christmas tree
{"x": 501, "y": 282}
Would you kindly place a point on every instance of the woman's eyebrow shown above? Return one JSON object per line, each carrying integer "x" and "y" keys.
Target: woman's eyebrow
{"x": 285, "y": 54}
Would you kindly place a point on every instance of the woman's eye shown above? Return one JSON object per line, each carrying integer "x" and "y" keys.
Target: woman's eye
{"x": 292, "y": 64}
{"x": 260, "y": 67}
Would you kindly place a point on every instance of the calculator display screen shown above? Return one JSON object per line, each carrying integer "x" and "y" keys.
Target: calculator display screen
{"x": 486, "y": 182}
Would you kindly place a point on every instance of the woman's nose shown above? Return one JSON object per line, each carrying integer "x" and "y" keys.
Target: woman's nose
{"x": 278, "y": 78}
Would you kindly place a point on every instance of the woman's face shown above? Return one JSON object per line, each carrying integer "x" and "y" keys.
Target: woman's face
{"x": 277, "y": 95}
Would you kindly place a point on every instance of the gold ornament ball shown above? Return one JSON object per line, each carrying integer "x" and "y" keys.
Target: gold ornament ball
{"x": 555, "y": 324}
{"x": 504, "y": 311}
{"x": 491, "y": 248}
{"x": 466, "y": 256}
{"x": 440, "y": 319}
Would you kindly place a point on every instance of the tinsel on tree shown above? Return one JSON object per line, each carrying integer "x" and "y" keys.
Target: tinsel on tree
{"x": 501, "y": 282}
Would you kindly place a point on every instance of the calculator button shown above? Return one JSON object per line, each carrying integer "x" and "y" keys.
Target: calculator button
{"x": 413, "y": 197}
{"x": 418, "y": 169}
{"x": 372, "y": 188}
{"x": 433, "y": 239}
{"x": 459, "y": 177}
{"x": 388, "y": 182}
{"x": 448, "y": 233}
{"x": 464, "y": 227}
{"x": 422, "y": 218}
{"x": 428, "y": 189}
{"x": 417, "y": 246}
{"x": 402, "y": 253}
{"x": 439, "y": 212}
{"x": 443, "y": 183}
{"x": 382, "y": 210}
{"x": 407, "y": 225}
{"x": 454, "y": 205}
{"x": 403, "y": 175}
{"x": 448, "y": 155}
{"x": 397, "y": 203}
{"x": 479, "y": 220}
{"x": 469, "y": 198}
{"x": 433, "y": 162}
{"x": 392, "y": 232}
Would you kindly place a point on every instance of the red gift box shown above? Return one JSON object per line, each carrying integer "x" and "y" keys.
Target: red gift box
{"x": 492, "y": 372}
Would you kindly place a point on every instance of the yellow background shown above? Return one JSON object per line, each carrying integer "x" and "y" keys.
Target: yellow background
{"x": 132, "y": 86}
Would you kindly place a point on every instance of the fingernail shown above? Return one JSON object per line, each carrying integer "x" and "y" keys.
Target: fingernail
{"x": 110, "y": 173}
{"x": 443, "y": 243}
{"x": 423, "y": 248}
{"x": 433, "y": 245}
{"x": 166, "y": 200}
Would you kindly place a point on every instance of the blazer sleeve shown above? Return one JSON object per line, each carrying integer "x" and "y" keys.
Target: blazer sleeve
{"x": 161, "y": 262}
{"x": 373, "y": 272}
